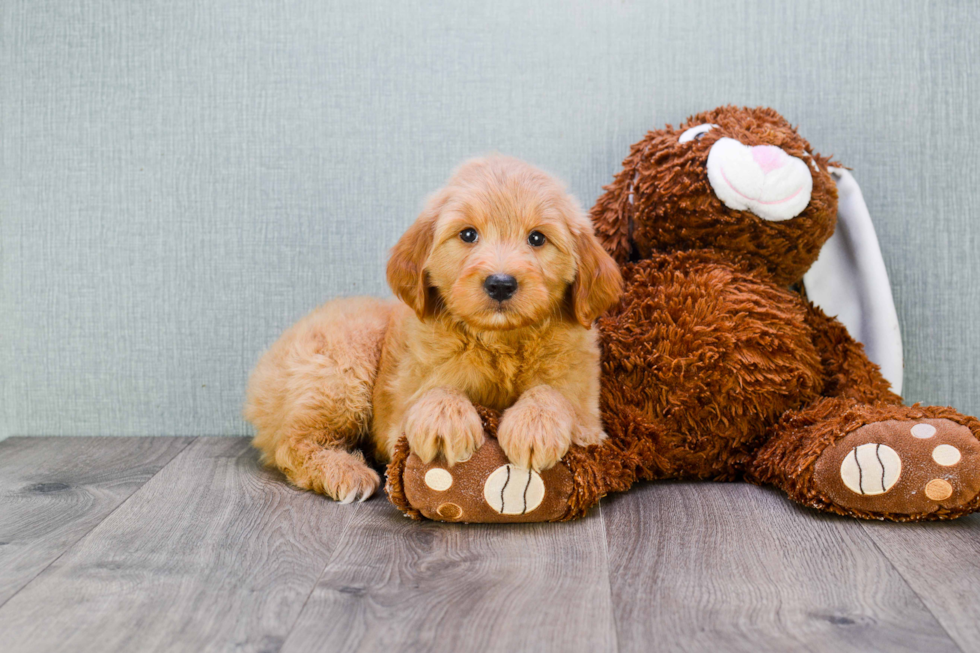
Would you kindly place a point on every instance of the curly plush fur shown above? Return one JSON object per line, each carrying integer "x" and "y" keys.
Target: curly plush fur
{"x": 713, "y": 368}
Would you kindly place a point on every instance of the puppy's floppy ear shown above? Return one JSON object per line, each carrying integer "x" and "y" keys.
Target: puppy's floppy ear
{"x": 406, "y": 265}
{"x": 598, "y": 284}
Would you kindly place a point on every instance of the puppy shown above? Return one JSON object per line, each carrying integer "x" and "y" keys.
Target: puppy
{"x": 500, "y": 279}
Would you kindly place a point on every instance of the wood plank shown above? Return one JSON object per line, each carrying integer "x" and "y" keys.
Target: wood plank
{"x": 55, "y": 490}
{"x": 400, "y": 585}
{"x": 213, "y": 553}
{"x": 941, "y": 562}
{"x": 733, "y": 567}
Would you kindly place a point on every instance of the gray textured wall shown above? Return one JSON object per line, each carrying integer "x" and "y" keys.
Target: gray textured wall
{"x": 181, "y": 180}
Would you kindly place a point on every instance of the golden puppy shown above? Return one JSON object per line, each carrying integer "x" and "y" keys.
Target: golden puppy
{"x": 500, "y": 279}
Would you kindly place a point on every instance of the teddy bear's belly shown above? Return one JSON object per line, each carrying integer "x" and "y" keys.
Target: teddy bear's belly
{"x": 699, "y": 360}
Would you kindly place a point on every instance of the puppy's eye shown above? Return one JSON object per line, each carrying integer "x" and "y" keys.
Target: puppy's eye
{"x": 536, "y": 239}
{"x": 468, "y": 235}
{"x": 695, "y": 133}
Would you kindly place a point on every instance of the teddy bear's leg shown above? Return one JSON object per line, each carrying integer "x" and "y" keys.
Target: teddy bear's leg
{"x": 903, "y": 463}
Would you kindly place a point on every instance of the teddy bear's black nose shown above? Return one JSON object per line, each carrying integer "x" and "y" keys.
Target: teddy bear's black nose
{"x": 500, "y": 286}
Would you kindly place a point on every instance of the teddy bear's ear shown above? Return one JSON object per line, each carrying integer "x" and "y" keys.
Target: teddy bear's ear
{"x": 849, "y": 282}
{"x": 612, "y": 215}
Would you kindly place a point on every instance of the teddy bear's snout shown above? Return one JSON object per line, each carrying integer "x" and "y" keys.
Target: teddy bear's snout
{"x": 763, "y": 179}
{"x": 769, "y": 157}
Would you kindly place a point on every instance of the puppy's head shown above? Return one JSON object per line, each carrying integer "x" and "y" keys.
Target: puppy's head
{"x": 502, "y": 246}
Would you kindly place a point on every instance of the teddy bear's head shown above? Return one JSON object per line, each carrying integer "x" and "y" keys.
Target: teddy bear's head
{"x": 736, "y": 179}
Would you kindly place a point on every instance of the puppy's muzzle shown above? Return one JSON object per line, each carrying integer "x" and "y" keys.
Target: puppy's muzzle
{"x": 500, "y": 287}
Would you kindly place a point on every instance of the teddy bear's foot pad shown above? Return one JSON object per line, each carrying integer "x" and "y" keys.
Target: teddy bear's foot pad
{"x": 902, "y": 467}
{"x": 486, "y": 488}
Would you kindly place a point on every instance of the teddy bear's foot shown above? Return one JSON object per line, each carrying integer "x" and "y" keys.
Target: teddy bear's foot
{"x": 485, "y": 488}
{"x": 488, "y": 488}
{"x": 902, "y": 468}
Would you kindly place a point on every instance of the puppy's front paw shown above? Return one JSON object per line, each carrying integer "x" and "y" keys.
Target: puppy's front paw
{"x": 536, "y": 432}
{"x": 443, "y": 422}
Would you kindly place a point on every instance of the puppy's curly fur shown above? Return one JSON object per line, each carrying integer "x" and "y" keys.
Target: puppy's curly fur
{"x": 357, "y": 373}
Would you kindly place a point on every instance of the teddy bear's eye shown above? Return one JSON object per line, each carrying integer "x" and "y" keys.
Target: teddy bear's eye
{"x": 695, "y": 133}
{"x": 468, "y": 235}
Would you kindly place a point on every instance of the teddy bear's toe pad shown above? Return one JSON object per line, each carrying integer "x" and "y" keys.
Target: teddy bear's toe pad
{"x": 901, "y": 467}
{"x": 486, "y": 488}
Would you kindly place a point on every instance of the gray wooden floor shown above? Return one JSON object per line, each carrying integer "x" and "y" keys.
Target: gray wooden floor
{"x": 182, "y": 544}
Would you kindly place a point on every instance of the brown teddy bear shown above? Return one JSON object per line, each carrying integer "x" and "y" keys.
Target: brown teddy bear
{"x": 715, "y": 366}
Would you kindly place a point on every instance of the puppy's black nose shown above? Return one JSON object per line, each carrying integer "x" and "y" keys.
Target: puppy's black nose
{"x": 500, "y": 286}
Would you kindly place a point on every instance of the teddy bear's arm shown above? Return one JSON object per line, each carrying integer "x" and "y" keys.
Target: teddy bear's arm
{"x": 849, "y": 372}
